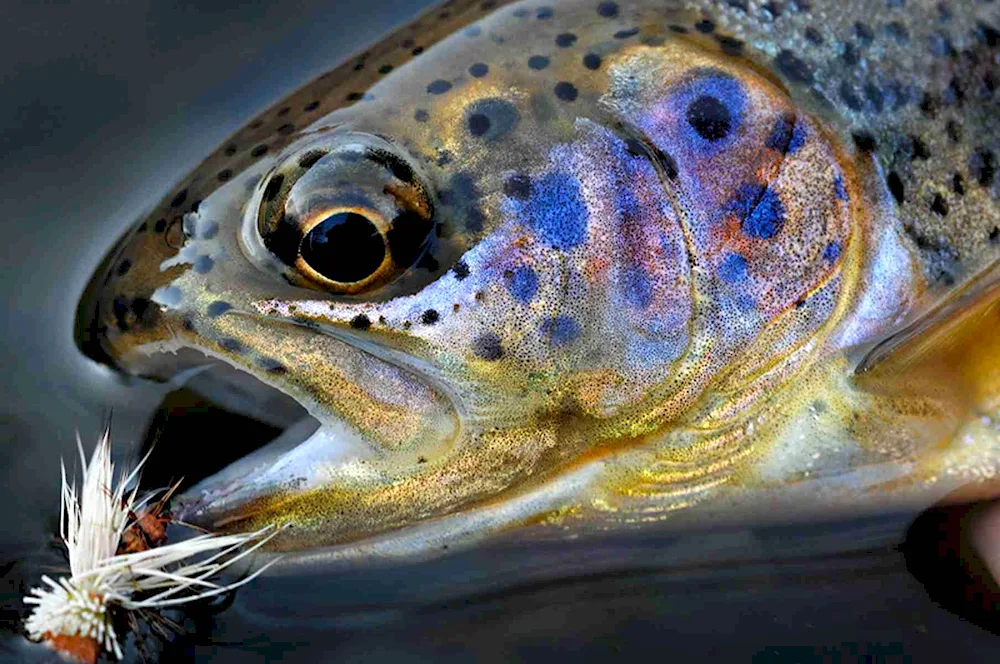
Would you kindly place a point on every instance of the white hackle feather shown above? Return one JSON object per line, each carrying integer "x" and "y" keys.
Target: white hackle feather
{"x": 92, "y": 525}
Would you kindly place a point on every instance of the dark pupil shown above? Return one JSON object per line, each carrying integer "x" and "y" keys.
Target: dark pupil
{"x": 709, "y": 117}
{"x": 344, "y": 247}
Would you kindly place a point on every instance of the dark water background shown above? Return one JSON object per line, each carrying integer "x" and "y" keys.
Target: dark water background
{"x": 103, "y": 106}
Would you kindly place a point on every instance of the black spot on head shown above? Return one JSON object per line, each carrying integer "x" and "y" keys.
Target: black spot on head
{"x": 492, "y": 119}
{"x": 461, "y": 270}
{"x": 939, "y": 205}
{"x": 160, "y": 225}
{"x": 929, "y": 104}
{"x": 794, "y": 68}
{"x": 179, "y": 199}
{"x": 679, "y": 29}
{"x": 592, "y": 61}
{"x": 982, "y": 167}
{"x": 543, "y": 12}
{"x": 897, "y": 31}
{"x": 311, "y": 106}
{"x": 566, "y": 91}
{"x": 309, "y": 159}
{"x": 958, "y": 184}
{"x": 479, "y": 69}
{"x": 625, "y": 34}
{"x": 863, "y": 33}
{"x": 231, "y": 345}
{"x": 217, "y": 308}
{"x": 849, "y": 54}
{"x": 813, "y": 35}
{"x": 420, "y": 115}
{"x": 705, "y": 26}
{"x": 271, "y": 365}
{"x": 488, "y": 347}
{"x": 224, "y": 175}
{"x": 876, "y": 101}
{"x": 849, "y": 97}
{"x": 385, "y": 69}
{"x": 230, "y": 150}
{"x": 258, "y": 151}
{"x": 919, "y": 149}
{"x": 438, "y": 87}
{"x": 864, "y": 141}
{"x": 354, "y": 96}
{"x": 286, "y": 129}
{"x": 995, "y": 235}
{"x": 124, "y": 267}
{"x": 987, "y": 34}
{"x": 517, "y": 186}
{"x": 709, "y": 117}
{"x": 360, "y": 322}
{"x": 607, "y": 9}
{"x": 565, "y": 40}
{"x": 479, "y": 124}
{"x": 273, "y": 187}
{"x": 895, "y": 187}
{"x": 730, "y": 45}
{"x": 954, "y": 131}
{"x": 538, "y": 62}
{"x": 417, "y": 51}
{"x": 429, "y": 317}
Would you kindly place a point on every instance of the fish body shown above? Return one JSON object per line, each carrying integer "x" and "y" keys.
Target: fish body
{"x": 589, "y": 264}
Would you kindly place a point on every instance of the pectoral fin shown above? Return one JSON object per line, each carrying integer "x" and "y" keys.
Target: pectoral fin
{"x": 955, "y": 345}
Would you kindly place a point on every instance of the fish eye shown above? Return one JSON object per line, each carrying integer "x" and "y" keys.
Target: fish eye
{"x": 346, "y": 247}
{"x": 348, "y": 215}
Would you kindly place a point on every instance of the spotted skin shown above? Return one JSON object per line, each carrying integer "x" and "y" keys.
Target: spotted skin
{"x": 589, "y": 256}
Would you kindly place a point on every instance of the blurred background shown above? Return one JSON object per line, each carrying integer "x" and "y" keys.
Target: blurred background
{"x": 105, "y": 105}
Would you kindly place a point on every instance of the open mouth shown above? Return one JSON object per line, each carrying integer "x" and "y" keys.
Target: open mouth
{"x": 221, "y": 431}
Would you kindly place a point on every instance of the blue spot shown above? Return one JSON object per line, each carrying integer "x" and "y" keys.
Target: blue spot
{"x": 799, "y": 135}
{"x": 209, "y": 230}
{"x": 760, "y": 209}
{"x": 523, "y": 283}
{"x": 838, "y": 189}
{"x": 733, "y": 269}
{"x": 832, "y": 251}
{"x": 217, "y": 308}
{"x": 560, "y": 330}
{"x": 203, "y": 264}
{"x": 557, "y": 211}
{"x": 638, "y": 289}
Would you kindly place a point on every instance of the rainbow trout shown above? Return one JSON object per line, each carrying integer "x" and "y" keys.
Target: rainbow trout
{"x": 565, "y": 266}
